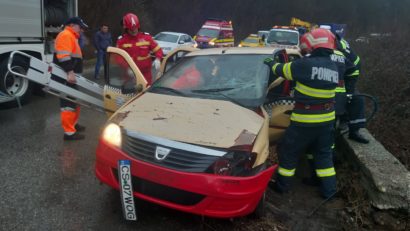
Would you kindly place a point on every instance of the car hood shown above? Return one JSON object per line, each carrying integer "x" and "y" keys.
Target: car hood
{"x": 207, "y": 122}
{"x": 283, "y": 46}
{"x": 166, "y": 44}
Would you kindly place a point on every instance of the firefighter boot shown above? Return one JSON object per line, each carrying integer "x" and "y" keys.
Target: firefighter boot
{"x": 356, "y": 136}
{"x": 75, "y": 136}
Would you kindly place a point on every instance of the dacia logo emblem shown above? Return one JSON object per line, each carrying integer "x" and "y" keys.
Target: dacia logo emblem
{"x": 161, "y": 153}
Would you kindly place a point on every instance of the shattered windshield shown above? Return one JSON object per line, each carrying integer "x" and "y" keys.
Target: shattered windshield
{"x": 239, "y": 78}
{"x": 283, "y": 37}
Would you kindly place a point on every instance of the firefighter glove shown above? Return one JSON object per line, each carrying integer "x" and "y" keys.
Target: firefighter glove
{"x": 157, "y": 64}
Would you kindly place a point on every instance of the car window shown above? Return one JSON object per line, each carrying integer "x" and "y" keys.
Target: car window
{"x": 187, "y": 38}
{"x": 119, "y": 73}
{"x": 242, "y": 78}
{"x": 165, "y": 37}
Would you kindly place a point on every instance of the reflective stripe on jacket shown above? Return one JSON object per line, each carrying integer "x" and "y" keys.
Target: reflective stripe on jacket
{"x": 68, "y": 53}
{"x": 344, "y": 47}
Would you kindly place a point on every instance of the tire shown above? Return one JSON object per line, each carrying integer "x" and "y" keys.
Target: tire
{"x": 15, "y": 85}
{"x": 260, "y": 210}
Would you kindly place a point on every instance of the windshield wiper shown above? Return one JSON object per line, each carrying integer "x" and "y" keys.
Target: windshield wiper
{"x": 168, "y": 89}
{"x": 217, "y": 91}
{"x": 213, "y": 90}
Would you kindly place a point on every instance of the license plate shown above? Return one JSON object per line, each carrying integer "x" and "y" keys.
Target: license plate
{"x": 127, "y": 197}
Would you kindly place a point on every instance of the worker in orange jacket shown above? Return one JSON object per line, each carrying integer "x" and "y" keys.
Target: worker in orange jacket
{"x": 139, "y": 46}
{"x": 69, "y": 57}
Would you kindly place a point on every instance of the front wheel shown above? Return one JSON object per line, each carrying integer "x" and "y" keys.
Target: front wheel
{"x": 260, "y": 209}
{"x": 13, "y": 85}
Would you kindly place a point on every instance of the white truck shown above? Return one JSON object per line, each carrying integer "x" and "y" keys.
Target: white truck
{"x": 29, "y": 26}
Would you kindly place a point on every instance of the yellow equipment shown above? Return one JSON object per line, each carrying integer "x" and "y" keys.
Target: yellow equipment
{"x": 300, "y": 23}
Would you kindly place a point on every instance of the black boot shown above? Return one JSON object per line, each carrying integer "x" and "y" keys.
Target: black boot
{"x": 75, "y": 136}
{"x": 275, "y": 186}
{"x": 79, "y": 128}
{"x": 356, "y": 136}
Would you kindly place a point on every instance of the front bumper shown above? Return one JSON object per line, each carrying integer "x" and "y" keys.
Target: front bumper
{"x": 198, "y": 193}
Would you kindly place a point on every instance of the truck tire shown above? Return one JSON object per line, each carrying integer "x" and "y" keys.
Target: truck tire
{"x": 14, "y": 85}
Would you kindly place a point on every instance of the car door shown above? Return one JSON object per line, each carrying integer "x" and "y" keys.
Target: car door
{"x": 123, "y": 81}
{"x": 172, "y": 58}
{"x": 279, "y": 104}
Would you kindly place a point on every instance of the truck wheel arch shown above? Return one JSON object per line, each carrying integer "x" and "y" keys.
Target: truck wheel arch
{"x": 24, "y": 92}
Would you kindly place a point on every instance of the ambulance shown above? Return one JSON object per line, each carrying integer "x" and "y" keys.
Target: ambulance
{"x": 215, "y": 33}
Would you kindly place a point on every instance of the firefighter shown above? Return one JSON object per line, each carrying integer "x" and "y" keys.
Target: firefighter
{"x": 139, "y": 46}
{"x": 69, "y": 57}
{"x": 312, "y": 119}
{"x": 355, "y": 106}
{"x": 340, "y": 109}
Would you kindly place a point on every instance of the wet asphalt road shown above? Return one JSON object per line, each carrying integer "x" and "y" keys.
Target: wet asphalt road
{"x": 49, "y": 184}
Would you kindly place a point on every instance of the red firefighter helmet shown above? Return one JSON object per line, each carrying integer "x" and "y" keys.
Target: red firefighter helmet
{"x": 131, "y": 22}
{"x": 317, "y": 38}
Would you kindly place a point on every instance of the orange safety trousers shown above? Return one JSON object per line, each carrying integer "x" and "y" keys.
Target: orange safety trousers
{"x": 69, "y": 118}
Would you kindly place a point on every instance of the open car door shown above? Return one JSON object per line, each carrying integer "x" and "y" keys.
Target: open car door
{"x": 172, "y": 58}
{"x": 124, "y": 80}
{"x": 279, "y": 103}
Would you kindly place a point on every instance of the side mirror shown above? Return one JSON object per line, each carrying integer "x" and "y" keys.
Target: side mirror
{"x": 181, "y": 42}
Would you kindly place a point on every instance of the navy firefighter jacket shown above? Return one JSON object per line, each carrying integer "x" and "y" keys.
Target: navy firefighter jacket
{"x": 316, "y": 77}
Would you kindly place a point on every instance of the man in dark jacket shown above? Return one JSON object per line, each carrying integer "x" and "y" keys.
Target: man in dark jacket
{"x": 102, "y": 40}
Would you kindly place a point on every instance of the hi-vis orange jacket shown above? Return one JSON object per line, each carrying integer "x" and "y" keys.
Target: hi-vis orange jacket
{"x": 67, "y": 51}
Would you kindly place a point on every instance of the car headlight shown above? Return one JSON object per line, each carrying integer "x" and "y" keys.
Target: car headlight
{"x": 234, "y": 163}
{"x": 112, "y": 134}
{"x": 240, "y": 45}
{"x": 212, "y": 43}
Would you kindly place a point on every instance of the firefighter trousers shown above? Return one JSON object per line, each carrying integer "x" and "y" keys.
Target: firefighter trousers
{"x": 355, "y": 111}
{"x": 294, "y": 143}
{"x": 69, "y": 112}
{"x": 355, "y": 106}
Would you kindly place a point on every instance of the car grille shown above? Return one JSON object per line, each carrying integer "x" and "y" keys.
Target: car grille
{"x": 162, "y": 192}
{"x": 177, "y": 159}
